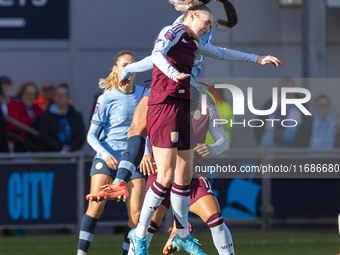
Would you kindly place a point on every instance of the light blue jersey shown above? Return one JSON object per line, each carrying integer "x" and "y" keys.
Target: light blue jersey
{"x": 113, "y": 115}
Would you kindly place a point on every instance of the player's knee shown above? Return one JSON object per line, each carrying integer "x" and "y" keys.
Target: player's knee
{"x": 186, "y": 179}
{"x": 165, "y": 181}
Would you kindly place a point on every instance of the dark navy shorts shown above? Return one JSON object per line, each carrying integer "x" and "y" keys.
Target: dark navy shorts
{"x": 100, "y": 167}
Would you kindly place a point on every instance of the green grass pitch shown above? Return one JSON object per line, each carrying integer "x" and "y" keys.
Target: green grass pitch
{"x": 246, "y": 243}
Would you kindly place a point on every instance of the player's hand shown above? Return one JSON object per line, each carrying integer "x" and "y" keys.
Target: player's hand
{"x": 263, "y": 60}
{"x": 203, "y": 149}
{"x": 127, "y": 81}
{"x": 111, "y": 162}
{"x": 181, "y": 76}
{"x": 125, "y": 74}
{"x": 123, "y": 83}
{"x": 147, "y": 165}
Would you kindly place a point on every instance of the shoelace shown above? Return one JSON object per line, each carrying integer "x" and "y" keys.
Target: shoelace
{"x": 107, "y": 185}
{"x": 196, "y": 241}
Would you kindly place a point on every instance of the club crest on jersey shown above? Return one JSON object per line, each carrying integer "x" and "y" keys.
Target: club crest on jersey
{"x": 99, "y": 165}
{"x": 197, "y": 115}
{"x": 170, "y": 35}
{"x": 174, "y": 137}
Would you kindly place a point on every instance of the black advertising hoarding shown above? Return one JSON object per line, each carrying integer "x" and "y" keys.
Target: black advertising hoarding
{"x": 38, "y": 194}
{"x": 34, "y": 19}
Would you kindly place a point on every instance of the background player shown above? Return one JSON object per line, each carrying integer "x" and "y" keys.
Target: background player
{"x": 107, "y": 135}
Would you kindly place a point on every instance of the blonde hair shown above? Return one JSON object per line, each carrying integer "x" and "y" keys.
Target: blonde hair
{"x": 112, "y": 81}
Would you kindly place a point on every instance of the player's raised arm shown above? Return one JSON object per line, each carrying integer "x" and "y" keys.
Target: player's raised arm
{"x": 137, "y": 67}
{"x": 234, "y": 55}
{"x": 167, "y": 38}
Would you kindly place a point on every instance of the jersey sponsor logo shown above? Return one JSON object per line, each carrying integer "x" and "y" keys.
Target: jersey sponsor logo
{"x": 96, "y": 108}
{"x": 183, "y": 40}
{"x": 197, "y": 115}
{"x": 174, "y": 137}
{"x": 181, "y": 91}
{"x": 170, "y": 35}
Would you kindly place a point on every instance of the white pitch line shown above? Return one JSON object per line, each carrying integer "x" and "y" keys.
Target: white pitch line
{"x": 12, "y": 22}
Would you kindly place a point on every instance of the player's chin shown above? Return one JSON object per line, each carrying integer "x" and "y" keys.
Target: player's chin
{"x": 181, "y": 7}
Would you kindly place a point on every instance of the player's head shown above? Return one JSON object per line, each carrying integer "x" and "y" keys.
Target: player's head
{"x": 228, "y": 8}
{"x": 198, "y": 19}
{"x": 122, "y": 59}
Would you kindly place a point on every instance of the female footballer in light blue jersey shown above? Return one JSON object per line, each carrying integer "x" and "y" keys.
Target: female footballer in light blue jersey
{"x": 107, "y": 135}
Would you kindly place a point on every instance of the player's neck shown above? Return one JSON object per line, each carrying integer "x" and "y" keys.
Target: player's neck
{"x": 188, "y": 30}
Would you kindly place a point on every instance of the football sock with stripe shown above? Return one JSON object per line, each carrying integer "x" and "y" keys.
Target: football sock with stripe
{"x": 152, "y": 229}
{"x": 131, "y": 158}
{"x": 126, "y": 242}
{"x": 87, "y": 227}
{"x": 220, "y": 234}
{"x": 153, "y": 198}
{"x": 180, "y": 199}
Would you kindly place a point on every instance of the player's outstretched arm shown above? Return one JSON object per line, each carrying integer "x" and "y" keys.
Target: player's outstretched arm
{"x": 234, "y": 55}
{"x": 141, "y": 66}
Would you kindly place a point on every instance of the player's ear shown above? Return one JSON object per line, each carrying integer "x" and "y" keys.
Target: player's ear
{"x": 192, "y": 16}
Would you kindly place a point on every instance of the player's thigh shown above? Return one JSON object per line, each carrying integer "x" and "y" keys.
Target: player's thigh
{"x": 205, "y": 207}
{"x": 138, "y": 124}
{"x": 165, "y": 159}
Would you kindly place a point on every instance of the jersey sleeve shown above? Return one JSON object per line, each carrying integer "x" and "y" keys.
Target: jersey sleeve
{"x": 147, "y": 150}
{"x": 141, "y": 66}
{"x": 93, "y": 140}
{"x": 167, "y": 38}
{"x": 224, "y": 54}
{"x": 100, "y": 114}
{"x": 217, "y": 132}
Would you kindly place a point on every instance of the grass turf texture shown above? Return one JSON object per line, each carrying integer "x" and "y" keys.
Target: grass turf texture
{"x": 254, "y": 243}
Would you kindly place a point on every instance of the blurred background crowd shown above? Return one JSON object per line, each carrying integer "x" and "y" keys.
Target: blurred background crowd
{"x": 39, "y": 119}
